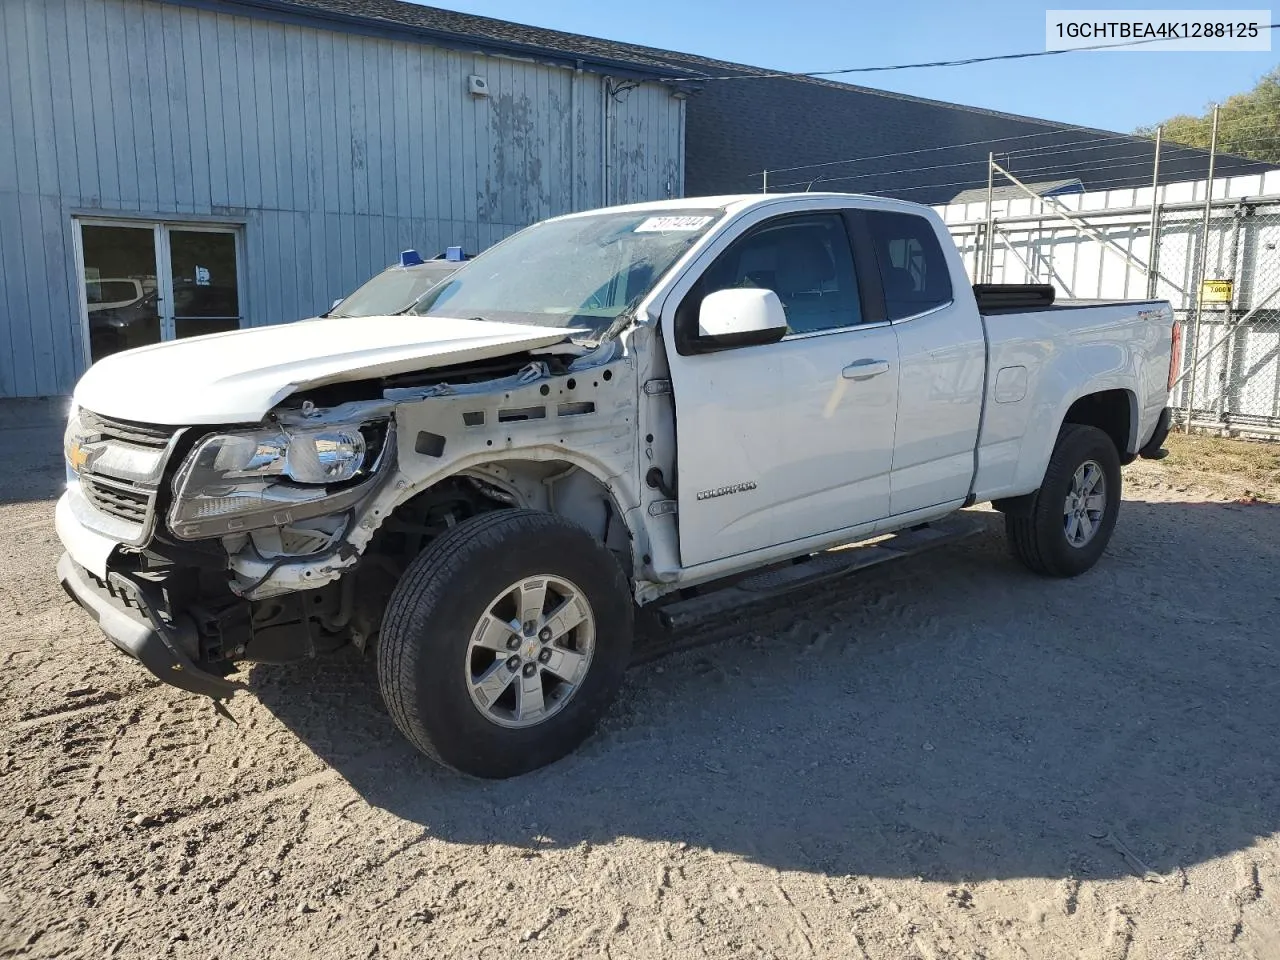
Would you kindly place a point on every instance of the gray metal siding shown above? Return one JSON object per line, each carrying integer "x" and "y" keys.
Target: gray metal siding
{"x": 334, "y": 151}
{"x": 646, "y": 145}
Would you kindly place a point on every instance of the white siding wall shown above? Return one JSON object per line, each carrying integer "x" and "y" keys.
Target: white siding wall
{"x": 334, "y": 151}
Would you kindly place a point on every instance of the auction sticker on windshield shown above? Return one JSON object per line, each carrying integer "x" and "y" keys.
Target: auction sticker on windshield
{"x": 664, "y": 224}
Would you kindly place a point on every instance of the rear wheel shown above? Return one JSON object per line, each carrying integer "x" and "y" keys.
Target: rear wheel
{"x": 504, "y": 642}
{"x": 1064, "y": 527}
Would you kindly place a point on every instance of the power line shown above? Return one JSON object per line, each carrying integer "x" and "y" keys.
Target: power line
{"x": 1065, "y": 172}
{"x": 1145, "y": 150}
{"x": 973, "y": 143}
{"x": 1135, "y": 140}
{"x": 974, "y": 182}
{"x": 1023, "y": 151}
{"x": 932, "y": 63}
{"x": 1127, "y": 181}
{"x": 907, "y": 153}
{"x": 1274, "y": 138}
{"x": 1047, "y": 149}
{"x": 1166, "y": 153}
{"x": 1108, "y": 163}
{"x": 969, "y": 183}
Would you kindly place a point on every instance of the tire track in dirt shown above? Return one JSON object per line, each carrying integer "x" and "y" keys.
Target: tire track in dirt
{"x": 57, "y": 714}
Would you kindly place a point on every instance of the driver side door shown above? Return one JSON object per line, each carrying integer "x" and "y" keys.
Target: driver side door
{"x": 782, "y": 441}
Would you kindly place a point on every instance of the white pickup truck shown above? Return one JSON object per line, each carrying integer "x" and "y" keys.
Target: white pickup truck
{"x": 640, "y": 405}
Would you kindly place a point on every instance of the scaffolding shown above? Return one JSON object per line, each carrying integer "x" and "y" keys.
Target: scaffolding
{"x": 1214, "y": 254}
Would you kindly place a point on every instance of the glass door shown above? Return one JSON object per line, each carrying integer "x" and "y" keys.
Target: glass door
{"x": 204, "y": 282}
{"x": 120, "y": 286}
{"x": 147, "y": 282}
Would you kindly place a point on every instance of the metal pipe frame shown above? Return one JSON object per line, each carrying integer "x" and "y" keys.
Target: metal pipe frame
{"x": 1204, "y": 260}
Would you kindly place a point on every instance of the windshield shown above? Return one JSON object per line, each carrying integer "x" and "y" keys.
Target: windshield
{"x": 581, "y": 272}
{"x": 394, "y": 290}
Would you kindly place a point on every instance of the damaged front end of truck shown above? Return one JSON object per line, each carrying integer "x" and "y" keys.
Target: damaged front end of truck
{"x": 198, "y": 547}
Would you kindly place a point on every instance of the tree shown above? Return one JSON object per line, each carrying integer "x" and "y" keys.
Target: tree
{"x": 1248, "y": 123}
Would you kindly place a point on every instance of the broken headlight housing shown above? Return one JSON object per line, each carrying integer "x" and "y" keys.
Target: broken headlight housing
{"x": 233, "y": 482}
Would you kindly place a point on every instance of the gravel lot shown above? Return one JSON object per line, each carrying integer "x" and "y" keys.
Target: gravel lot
{"x": 946, "y": 757}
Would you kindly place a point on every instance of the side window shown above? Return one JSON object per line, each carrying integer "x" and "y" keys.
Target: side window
{"x": 913, "y": 269}
{"x": 805, "y": 260}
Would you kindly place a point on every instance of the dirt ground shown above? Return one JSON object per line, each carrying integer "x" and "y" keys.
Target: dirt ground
{"x": 946, "y": 757}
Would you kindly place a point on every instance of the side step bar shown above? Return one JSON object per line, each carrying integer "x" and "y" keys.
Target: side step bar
{"x": 732, "y": 596}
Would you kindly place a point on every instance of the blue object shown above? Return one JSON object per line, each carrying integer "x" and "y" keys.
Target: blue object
{"x": 410, "y": 258}
{"x": 454, "y": 254}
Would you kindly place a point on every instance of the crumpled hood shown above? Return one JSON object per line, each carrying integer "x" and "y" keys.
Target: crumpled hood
{"x": 237, "y": 377}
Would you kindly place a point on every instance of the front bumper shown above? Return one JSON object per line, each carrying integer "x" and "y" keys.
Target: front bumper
{"x": 126, "y": 608}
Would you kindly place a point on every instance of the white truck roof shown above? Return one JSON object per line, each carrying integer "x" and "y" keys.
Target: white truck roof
{"x": 738, "y": 202}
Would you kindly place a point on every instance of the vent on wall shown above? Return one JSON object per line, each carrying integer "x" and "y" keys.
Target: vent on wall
{"x": 477, "y": 86}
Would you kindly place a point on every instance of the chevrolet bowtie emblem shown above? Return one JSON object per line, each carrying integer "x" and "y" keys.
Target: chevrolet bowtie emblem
{"x": 78, "y": 456}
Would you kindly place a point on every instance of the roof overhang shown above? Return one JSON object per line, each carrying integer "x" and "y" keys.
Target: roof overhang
{"x": 281, "y": 11}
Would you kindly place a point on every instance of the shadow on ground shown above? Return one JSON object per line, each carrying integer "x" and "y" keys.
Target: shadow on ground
{"x": 31, "y": 464}
{"x": 949, "y": 717}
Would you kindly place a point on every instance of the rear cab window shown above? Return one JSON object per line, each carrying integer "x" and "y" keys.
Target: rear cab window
{"x": 913, "y": 269}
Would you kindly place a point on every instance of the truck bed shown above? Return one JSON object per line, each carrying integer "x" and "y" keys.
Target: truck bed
{"x": 1066, "y": 305}
{"x": 1000, "y": 298}
{"x": 1036, "y": 355}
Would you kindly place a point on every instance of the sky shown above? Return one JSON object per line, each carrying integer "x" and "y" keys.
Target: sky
{"x": 1110, "y": 89}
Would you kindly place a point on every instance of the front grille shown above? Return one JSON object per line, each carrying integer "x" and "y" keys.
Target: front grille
{"x": 111, "y": 479}
{"x": 141, "y": 434}
{"x": 120, "y": 499}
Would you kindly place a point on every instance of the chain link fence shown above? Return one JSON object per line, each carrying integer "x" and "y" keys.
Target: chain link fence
{"x": 1230, "y": 343}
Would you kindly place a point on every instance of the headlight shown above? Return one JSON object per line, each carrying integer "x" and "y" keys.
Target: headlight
{"x": 244, "y": 481}
{"x": 323, "y": 456}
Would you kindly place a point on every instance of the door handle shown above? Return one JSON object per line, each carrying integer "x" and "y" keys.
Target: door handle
{"x": 865, "y": 369}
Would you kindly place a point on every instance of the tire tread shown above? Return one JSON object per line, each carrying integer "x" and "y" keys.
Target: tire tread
{"x": 419, "y": 590}
{"x": 1026, "y": 530}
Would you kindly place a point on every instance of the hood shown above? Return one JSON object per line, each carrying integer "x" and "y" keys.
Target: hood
{"x": 238, "y": 377}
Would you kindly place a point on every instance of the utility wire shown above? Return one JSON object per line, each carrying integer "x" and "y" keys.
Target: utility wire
{"x": 1135, "y": 140}
{"x": 1127, "y": 181}
{"x": 970, "y": 183}
{"x": 1171, "y": 152}
{"x": 932, "y": 63}
{"x": 1139, "y": 159}
{"x": 974, "y": 183}
{"x": 1033, "y": 152}
{"x": 1024, "y": 151}
{"x": 1107, "y": 161}
{"x": 953, "y": 146}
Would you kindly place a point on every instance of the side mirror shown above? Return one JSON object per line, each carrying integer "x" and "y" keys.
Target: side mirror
{"x": 740, "y": 318}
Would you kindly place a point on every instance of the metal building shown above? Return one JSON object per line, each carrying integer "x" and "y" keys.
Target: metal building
{"x": 178, "y": 167}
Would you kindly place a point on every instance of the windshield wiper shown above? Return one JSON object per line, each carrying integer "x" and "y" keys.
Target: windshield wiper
{"x": 620, "y": 323}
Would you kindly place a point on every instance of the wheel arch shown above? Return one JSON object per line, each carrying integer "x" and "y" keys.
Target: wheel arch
{"x": 1114, "y": 412}
{"x": 1112, "y": 408}
{"x": 558, "y": 481}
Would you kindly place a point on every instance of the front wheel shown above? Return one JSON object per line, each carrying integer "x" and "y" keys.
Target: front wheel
{"x": 504, "y": 641}
{"x": 1067, "y": 524}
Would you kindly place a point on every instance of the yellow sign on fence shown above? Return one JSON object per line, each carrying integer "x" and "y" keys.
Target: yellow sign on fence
{"x": 1216, "y": 291}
